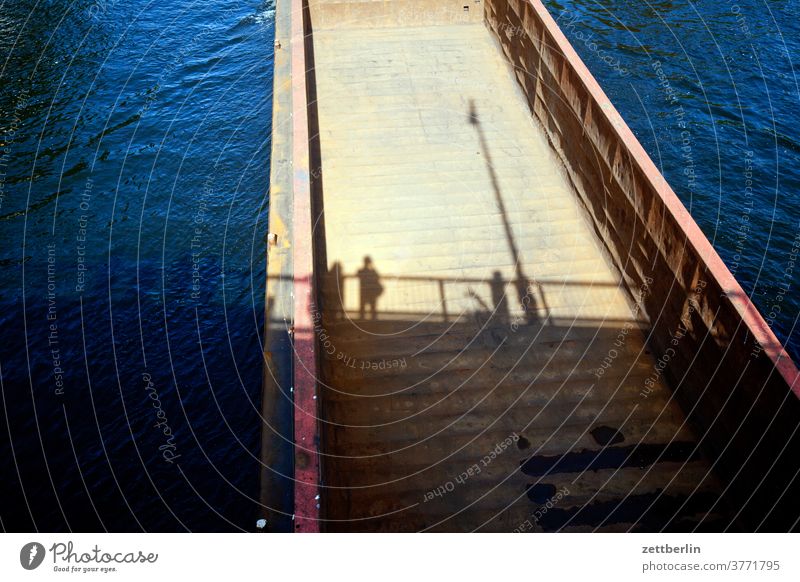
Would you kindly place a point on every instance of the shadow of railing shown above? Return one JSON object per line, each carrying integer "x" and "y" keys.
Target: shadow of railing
{"x": 447, "y": 299}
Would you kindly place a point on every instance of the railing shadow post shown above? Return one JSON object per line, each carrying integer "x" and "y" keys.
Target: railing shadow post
{"x": 444, "y": 301}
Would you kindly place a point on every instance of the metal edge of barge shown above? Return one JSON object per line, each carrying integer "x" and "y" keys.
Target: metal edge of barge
{"x": 730, "y": 374}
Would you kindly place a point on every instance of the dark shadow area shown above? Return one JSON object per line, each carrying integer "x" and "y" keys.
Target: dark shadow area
{"x": 412, "y": 405}
{"x": 314, "y": 147}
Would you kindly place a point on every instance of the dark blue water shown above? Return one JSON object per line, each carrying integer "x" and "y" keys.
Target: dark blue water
{"x": 710, "y": 89}
{"x": 134, "y": 164}
{"x": 135, "y": 143}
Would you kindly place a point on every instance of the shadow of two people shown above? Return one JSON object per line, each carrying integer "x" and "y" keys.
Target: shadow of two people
{"x": 371, "y": 289}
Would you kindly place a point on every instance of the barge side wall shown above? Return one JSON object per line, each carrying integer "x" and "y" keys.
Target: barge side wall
{"x": 277, "y": 470}
{"x": 290, "y": 475}
{"x": 728, "y": 370}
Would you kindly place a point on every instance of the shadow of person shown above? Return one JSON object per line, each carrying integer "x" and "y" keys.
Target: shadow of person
{"x": 499, "y": 300}
{"x": 370, "y": 288}
{"x": 334, "y": 292}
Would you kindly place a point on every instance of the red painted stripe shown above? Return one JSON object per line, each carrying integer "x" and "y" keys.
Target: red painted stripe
{"x": 306, "y": 435}
{"x": 716, "y": 267}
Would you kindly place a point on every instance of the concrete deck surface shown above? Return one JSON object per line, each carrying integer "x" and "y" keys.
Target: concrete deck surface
{"x": 468, "y": 302}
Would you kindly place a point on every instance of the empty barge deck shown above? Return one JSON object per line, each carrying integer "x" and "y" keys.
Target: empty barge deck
{"x": 494, "y": 306}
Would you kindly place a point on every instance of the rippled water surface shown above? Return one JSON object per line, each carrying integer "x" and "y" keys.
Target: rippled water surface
{"x": 136, "y": 138}
{"x": 134, "y": 143}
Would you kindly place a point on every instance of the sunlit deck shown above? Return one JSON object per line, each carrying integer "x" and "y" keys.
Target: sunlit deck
{"x": 466, "y": 301}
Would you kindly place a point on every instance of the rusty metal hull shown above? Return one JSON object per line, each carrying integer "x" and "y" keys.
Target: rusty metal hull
{"x": 492, "y": 311}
